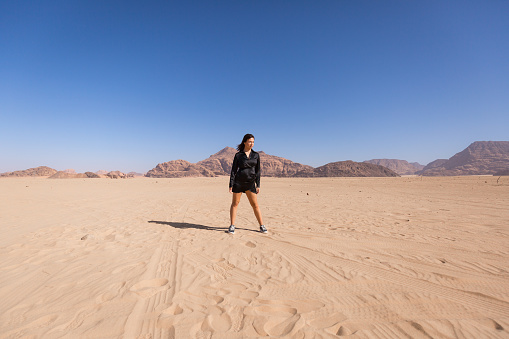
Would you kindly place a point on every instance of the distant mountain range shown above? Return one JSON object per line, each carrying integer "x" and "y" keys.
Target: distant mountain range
{"x": 272, "y": 166}
{"x": 402, "y": 167}
{"x": 479, "y": 158}
{"x": 220, "y": 163}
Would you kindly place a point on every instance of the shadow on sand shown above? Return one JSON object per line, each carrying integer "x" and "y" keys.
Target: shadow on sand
{"x": 183, "y": 225}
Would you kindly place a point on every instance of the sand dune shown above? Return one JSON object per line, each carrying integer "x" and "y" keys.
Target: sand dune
{"x": 356, "y": 257}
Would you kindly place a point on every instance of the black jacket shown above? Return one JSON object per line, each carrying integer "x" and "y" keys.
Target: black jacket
{"x": 245, "y": 170}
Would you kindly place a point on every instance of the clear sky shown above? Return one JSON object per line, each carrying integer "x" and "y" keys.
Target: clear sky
{"x": 125, "y": 85}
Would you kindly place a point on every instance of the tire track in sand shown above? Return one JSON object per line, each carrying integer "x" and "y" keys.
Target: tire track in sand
{"x": 158, "y": 286}
{"x": 490, "y": 305}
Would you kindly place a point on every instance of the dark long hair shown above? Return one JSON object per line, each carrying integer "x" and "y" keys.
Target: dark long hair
{"x": 246, "y": 137}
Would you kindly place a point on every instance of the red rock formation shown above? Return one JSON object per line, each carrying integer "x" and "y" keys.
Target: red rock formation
{"x": 41, "y": 171}
{"x": 179, "y": 169}
{"x": 220, "y": 163}
{"x": 116, "y": 175}
{"x": 348, "y": 169}
{"x": 67, "y": 175}
{"x": 271, "y": 166}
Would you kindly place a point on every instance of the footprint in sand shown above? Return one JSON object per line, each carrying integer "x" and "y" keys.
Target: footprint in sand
{"x": 342, "y": 331}
{"x": 335, "y": 324}
{"x": 281, "y": 319}
{"x": 329, "y": 321}
{"x": 174, "y": 309}
{"x": 250, "y": 244}
{"x": 172, "y": 315}
{"x": 220, "y": 322}
{"x": 148, "y": 288}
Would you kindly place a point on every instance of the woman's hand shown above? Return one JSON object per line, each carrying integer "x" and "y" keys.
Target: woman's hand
{"x": 231, "y": 190}
{"x": 257, "y": 190}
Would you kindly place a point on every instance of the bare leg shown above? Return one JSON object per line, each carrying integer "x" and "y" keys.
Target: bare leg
{"x": 253, "y": 200}
{"x": 233, "y": 207}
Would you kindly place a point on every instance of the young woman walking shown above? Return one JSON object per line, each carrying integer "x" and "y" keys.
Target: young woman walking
{"x": 245, "y": 177}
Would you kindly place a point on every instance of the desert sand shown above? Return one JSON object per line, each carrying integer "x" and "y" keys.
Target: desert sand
{"x": 360, "y": 257}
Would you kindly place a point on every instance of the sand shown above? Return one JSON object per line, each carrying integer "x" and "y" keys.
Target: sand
{"x": 149, "y": 258}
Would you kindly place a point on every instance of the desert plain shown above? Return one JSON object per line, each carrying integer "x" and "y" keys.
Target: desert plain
{"x": 406, "y": 257}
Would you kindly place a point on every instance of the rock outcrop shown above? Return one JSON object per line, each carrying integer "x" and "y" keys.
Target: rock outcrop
{"x": 348, "y": 169}
{"x": 273, "y": 166}
{"x": 135, "y": 175}
{"x": 179, "y": 169}
{"x": 402, "y": 167}
{"x": 433, "y": 164}
{"x": 41, "y": 171}
{"x": 67, "y": 175}
{"x": 116, "y": 175}
{"x": 220, "y": 163}
{"x": 480, "y": 158}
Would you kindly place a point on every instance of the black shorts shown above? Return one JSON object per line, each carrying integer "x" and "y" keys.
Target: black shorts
{"x": 240, "y": 187}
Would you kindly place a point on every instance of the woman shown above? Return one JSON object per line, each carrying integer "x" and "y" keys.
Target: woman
{"x": 245, "y": 177}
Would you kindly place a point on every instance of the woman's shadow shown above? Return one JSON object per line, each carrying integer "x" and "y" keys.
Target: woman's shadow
{"x": 184, "y": 225}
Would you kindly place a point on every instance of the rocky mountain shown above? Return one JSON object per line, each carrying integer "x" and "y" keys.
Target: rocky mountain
{"x": 481, "y": 157}
{"x": 348, "y": 169}
{"x": 402, "y": 167}
{"x": 41, "y": 171}
{"x": 220, "y": 163}
{"x": 272, "y": 166}
{"x": 179, "y": 169}
{"x": 434, "y": 164}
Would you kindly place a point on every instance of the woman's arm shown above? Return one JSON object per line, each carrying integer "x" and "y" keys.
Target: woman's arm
{"x": 235, "y": 166}
{"x": 258, "y": 172}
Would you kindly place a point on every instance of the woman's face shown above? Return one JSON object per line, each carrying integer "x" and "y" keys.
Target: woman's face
{"x": 248, "y": 144}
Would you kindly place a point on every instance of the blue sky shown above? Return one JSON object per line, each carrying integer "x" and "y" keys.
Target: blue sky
{"x": 126, "y": 85}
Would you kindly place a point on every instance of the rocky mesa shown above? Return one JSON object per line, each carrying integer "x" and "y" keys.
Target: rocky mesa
{"x": 479, "y": 158}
